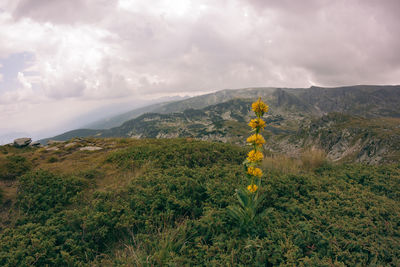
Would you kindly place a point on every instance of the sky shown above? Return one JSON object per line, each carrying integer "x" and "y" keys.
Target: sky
{"x": 64, "y": 63}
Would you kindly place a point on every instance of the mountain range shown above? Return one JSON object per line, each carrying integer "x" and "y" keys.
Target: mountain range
{"x": 346, "y": 122}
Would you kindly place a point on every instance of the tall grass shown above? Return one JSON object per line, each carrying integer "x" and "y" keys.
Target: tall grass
{"x": 282, "y": 164}
{"x": 313, "y": 158}
{"x": 308, "y": 160}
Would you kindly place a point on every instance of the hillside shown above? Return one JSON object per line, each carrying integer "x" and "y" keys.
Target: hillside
{"x": 292, "y": 113}
{"x": 360, "y": 100}
{"x": 224, "y": 122}
{"x": 363, "y": 100}
{"x": 345, "y": 138}
{"x": 116, "y": 121}
{"x": 162, "y": 202}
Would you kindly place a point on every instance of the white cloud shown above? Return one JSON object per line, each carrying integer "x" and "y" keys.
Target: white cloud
{"x": 90, "y": 51}
{"x": 24, "y": 83}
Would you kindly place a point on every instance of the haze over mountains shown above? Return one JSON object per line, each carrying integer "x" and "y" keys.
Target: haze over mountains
{"x": 222, "y": 116}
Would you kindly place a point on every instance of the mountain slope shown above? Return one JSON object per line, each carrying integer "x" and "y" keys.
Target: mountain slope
{"x": 224, "y": 122}
{"x": 345, "y": 138}
{"x": 118, "y": 120}
{"x": 363, "y": 100}
{"x": 291, "y": 111}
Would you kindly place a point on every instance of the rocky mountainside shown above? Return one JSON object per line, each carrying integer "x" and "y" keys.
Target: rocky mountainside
{"x": 361, "y": 100}
{"x": 345, "y": 138}
{"x": 298, "y": 118}
{"x": 364, "y": 100}
{"x": 197, "y": 102}
{"x": 225, "y": 122}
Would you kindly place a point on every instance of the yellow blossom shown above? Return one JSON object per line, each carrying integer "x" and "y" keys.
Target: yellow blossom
{"x": 257, "y": 123}
{"x": 252, "y": 188}
{"x": 254, "y": 171}
{"x": 257, "y": 139}
{"x": 259, "y": 107}
{"x": 255, "y": 156}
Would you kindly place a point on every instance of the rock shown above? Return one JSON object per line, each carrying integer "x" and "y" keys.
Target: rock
{"x": 90, "y": 148}
{"x": 53, "y": 148}
{"x": 22, "y": 142}
{"x": 52, "y": 142}
{"x": 35, "y": 144}
{"x": 70, "y": 145}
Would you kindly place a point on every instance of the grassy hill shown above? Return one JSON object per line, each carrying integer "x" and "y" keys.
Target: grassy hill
{"x": 155, "y": 202}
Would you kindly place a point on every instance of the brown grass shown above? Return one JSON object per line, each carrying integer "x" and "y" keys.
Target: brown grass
{"x": 313, "y": 158}
{"x": 72, "y": 161}
{"x": 282, "y": 163}
{"x": 308, "y": 160}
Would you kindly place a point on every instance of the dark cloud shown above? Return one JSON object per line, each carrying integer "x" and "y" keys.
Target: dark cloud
{"x": 64, "y": 11}
{"x": 337, "y": 42}
{"x": 92, "y": 50}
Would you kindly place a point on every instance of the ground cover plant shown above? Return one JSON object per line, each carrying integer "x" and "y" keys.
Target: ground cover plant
{"x": 164, "y": 202}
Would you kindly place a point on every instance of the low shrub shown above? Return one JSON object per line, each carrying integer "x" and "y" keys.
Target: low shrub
{"x": 52, "y": 159}
{"x": 13, "y": 166}
{"x": 40, "y": 194}
{"x": 176, "y": 152}
{"x": 174, "y": 214}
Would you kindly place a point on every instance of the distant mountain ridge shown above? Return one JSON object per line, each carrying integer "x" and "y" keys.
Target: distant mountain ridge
{"x": 117, "y": 120}
{"x": 353, "y": 100}
{"x": 223, "y": 116}
{"x": 361, "y": 100}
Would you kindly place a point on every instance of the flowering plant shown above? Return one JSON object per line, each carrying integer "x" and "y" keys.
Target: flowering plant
{"x": 249, "y": 198}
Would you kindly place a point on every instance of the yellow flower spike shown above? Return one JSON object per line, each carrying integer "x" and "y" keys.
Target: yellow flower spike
{"x": 255, "y": 156}
{"x": 256, "y": 139}
{"x": 255, "y": 171}
{"x": 257, "y": 124}
{"x": 252, "y": 188}
{"x": 259, "y": 107}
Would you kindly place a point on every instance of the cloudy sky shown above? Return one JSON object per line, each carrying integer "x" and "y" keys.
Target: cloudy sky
{"x": 68, "y": 61}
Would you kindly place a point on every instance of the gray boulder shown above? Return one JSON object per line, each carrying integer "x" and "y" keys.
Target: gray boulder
{"x": 35, "y": 144}
{"x": 22, "y": 142}
{"x": 52, "y": 142}
{"x": 70, "y": 145}
{"x": 90, "y": 148}
{"x": 53, "y": 148}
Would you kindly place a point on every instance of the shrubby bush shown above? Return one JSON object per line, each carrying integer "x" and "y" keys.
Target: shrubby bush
{"x": 42, "y": 235}
{"x": 176, "y": 152}
{"x": 42, "y": 193}
{"x": 13, "y": 166}
{"x": 174, "y": 213}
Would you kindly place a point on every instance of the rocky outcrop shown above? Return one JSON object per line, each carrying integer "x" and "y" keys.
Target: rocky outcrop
{"x": 22, "y": 142}
{"x": 90, "y": 148}
{"x": 53, "y": 142}
{"x": 348, "y": 138}
{"x": 35, "y": 144}
{"x": 53, "y": 148}
{"x": 72, "y": 144}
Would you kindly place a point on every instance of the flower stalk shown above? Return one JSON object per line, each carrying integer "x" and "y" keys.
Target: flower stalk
{"x": 256, "y": 140}
{"x": 249, "y": 198}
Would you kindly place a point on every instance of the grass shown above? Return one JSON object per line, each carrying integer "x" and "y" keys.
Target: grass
{"x": 308, "y": 160}
{"x": 163, "y": 203}
{"x": 313, "y": 158}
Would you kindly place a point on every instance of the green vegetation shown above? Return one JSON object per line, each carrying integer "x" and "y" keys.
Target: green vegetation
{"x": 13, "y": 166}
{"x": 163, "y": 202}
